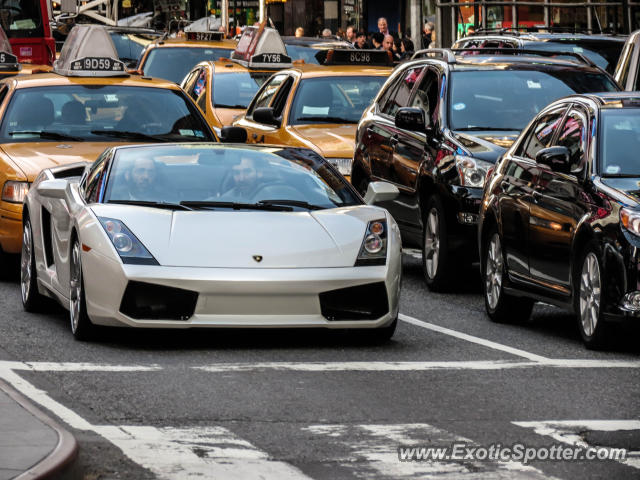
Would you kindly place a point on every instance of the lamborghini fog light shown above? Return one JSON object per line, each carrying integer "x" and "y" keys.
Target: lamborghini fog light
{"x": 631, "y": 301}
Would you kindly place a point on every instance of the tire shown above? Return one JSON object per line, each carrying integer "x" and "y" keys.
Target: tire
{"x": 81, "y": 325}
{"x": 437, "y": 265}
{"x": 380, "y": 335}
{"x": 501, "y": 307}
{"x": 588, "y": 299}
{"x": 32, "y": 300}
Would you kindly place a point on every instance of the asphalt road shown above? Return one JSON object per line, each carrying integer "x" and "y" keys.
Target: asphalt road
{"x": 308, "y": 404}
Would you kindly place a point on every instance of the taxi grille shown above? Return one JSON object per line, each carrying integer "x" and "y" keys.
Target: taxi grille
{"x": 364, "y": 302}
{"x": 146, "y": 301}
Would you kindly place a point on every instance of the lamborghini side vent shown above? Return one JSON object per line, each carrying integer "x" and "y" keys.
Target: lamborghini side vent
{"x": 46, "y": 236}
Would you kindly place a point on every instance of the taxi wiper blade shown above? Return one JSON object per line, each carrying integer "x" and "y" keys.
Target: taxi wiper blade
{"x": 148, "y": 203}
{"x": 236, "y": 205}
{"x": 325, "y": 119}
{"x": 485, "y": 129}
{"x": 129, "y": 135}
{"x": 293, "y": 203}
{"x": 220, "y": 105}
{"x": 48, "y": 135}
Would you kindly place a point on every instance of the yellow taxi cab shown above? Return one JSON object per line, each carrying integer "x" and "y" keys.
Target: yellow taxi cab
{"x": 72, "y": 115}
{"x": 9, "y": 65}
{"x": 172, "y": 58}
{"x": 224, "y": 88}
{"x": 318, "y": 106}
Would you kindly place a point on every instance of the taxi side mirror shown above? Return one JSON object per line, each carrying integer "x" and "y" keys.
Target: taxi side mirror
{"x": 265, "y": 115}
{"x": 233, "y": 135}
{"x": 380, "y": 192}
{"x": 411, "y": 118}
{"x": 557, "y": 158}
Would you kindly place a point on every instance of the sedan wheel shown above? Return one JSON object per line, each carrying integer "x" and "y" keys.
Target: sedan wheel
{"x": 31, "y": 298}
{"x": 432, "y": 243}
{"x": 81, "y": 326}
{"x": 437, "y": 265}
{"x": 589, "y": 300}
{"x": 493, "y": 275}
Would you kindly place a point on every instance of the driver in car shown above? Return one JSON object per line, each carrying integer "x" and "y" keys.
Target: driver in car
{"x": 245, "y": 181}
{"x": 141, "y": 180}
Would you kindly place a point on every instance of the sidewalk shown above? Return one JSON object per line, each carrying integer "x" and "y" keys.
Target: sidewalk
{"x": 32, "y": 445}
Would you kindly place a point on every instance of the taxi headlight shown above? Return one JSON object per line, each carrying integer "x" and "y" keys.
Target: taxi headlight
{"x": 15, "y": 192}
{"x": 374, "y": 245}
{"x": 342, "y": 164}
{"x": 130, "y": 249}
{"x": 472, "y": 171}
{"x": 630, "y": 220}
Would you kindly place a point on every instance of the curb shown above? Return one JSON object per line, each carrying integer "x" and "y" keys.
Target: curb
{"x": 64, "y": 453}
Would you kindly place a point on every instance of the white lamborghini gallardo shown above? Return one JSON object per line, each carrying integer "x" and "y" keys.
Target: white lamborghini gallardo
{"x": 210, "y": 235}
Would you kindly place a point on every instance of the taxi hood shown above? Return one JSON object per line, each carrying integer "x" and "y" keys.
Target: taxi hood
{"x": 231, "y": 239}
{"x": 487, "y": 145}
{"x": 333, "y": 141}
{"x": 226, "y": 116}
{"x": 31, "y": 158}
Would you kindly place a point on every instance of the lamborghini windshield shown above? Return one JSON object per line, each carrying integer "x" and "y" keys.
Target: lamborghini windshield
{"x": 225, "y": 177}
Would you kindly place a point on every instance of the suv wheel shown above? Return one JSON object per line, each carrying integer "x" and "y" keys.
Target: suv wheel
{"x": 588, "y": 299}
{"x": 436, "y": 264}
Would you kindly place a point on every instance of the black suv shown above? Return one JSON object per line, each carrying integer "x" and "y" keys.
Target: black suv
{"x": 602, "y": 49}
{"x": 560, "y": 217}
{"x": 437, "y": 127}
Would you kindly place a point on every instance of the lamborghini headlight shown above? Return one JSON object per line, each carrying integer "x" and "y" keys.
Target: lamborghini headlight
{"x": 342, "y": 164}
{"x": 374, "y": 245}
{"x": 130, "y": 249}
{"x": 15, "y": 192}
{"x": 472, "y": 171}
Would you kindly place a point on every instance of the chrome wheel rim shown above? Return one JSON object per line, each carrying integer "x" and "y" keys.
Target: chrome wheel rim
{"x": 590, "y": 288}
{"x": 493, "y": 272}
{"x": 25, "y": 263}
{"x": 75, "y": 294}
{"x": 432, "y": 243}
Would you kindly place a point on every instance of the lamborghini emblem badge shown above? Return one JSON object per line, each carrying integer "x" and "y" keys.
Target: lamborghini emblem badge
{"x": 257, "y": 258}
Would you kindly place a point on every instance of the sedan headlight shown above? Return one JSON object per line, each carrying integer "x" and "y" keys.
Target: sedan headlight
{"x": 374, "y": 245}
{"x": 342, "y": 164}
{"x": 630, "y": 220}
{"x": 15, "y": 192}
{"x": 472, "y": 171}
{"x": 130, "y": 249}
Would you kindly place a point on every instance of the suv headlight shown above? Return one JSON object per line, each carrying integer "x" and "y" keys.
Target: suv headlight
{"x": 130, "y": 249}
{"x": 374, "y": 245}
{"x": 630, "y": 220}
{"x": 472, "y": 171}
{"x": 342, "y": 164}
{"x": 15, "y": 192}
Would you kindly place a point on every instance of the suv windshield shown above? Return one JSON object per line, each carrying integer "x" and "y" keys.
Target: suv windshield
{"x": 236, "y": 90}
{"x": 101, "y": 113}
{"x": 21, "y": 18}
{"x": 509, "y": 99}
{"x": 620, "y": 142}
{"x": 173, "y": 63}
{"x": 333, "y": 99}
{"x": 216, "y": 177}
{"x": 603, "y": 53}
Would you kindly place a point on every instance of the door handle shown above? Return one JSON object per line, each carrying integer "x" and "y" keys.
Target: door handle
{"x": 369, "y": 130}
{"x": 393, "y": 141}
{"x": 537, "y": 194}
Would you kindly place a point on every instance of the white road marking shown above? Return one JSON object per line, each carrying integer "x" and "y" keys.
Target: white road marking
{"x": 371, "y": 451}
{"x": 472, "y": 339}
{"x": 80, "y": 367}
{"x": 568, "y": 431}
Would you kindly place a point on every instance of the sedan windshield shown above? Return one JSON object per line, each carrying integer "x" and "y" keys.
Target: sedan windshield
{"x": 333, "y": 99}
{"x": 225, "y": 178}
{"x": 236, "y": 90}
{"x": 620, "y": 142}
{"x": 173, "y": 63}
{"x": 101, "y": 113}
{"x": 509, "y": 99}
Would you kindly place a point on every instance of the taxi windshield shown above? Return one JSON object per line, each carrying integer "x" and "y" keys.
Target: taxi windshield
{"x": 226, "y": 177}
{"x": 101, "y": 113}
{"x": 514, "y": 97}
{"x": 130, "y": 45}
{"x": 620, "y": 142}
{"x": 173, "y": 63}
{"x": 308, "y": 54}
{"x": 21, "y": 18}
{"x": 333, "y": 99}
{"x": 236, "y": 90}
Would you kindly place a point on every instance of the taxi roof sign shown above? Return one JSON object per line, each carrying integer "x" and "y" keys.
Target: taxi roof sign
{"x": 8, "y": 61}
{"x": 261, "y": 47}
{"x": 347, "y": 56}
{"x": 89, "y": 52}
{"x": 205, "y": 36}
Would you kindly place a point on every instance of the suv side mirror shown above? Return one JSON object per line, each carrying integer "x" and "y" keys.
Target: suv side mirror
{"x": 265, "y": 115}
{"x": 380, "y": 192}
{"x": 411, "y": 118}
{"x": 233, "y": 135}
{"x": 557, "y": 158}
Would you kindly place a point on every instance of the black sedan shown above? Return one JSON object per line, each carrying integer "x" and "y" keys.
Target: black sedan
{"x": 560, "y": 216}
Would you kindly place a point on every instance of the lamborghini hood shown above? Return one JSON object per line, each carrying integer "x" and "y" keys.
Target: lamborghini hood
{"x": 248, "y": 239}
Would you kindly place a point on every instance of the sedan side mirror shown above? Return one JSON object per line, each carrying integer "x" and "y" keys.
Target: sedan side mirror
{"x": 265, "y": 115}
{"x": 557, "y": 158}
{"x": 411, "y": 118}
{"x": 233, "y": 135}
{"x": 380, "y": 192}
{"x": 53, "y": 188}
